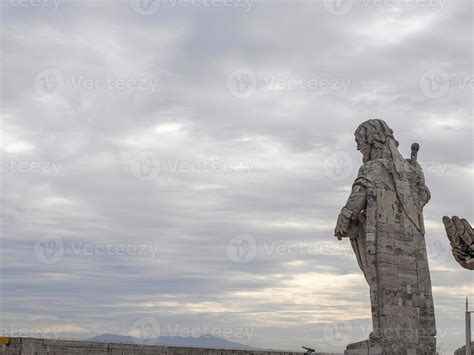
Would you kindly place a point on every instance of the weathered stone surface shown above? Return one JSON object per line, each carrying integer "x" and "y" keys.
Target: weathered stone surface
{"x": 32, "y": 346}
{"x": 383, "y": 218}
{"x": 461, "y": 237}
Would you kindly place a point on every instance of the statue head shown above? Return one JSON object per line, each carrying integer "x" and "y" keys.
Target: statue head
{"x": 373, "y": 140}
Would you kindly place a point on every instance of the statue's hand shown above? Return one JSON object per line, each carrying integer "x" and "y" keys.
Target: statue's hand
{"x": 342, "y": 226}
{"x": 459, "y": 231}
{"x": 461, "y": 237}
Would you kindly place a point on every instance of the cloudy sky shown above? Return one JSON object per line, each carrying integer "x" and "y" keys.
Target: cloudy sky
{"x": 177, "y": 167}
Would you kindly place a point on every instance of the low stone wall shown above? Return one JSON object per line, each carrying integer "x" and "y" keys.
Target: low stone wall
{"x": 32, "y": 346}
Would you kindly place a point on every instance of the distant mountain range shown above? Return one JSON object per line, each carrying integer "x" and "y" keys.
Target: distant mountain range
{"x": 205, "y": 341}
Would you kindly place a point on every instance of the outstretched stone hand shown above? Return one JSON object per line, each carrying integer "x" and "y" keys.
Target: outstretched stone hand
{"x": 461, "y": 237}
{"x": 342, "y": 226}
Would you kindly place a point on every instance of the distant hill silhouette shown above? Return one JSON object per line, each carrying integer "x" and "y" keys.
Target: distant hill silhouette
{"x": 205, "y": 341}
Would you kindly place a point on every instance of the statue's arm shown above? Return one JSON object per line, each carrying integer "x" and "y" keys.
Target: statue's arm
{"x": 350, "y": 212}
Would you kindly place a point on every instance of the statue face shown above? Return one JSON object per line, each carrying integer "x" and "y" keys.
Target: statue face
{"x": 364, "y": 148}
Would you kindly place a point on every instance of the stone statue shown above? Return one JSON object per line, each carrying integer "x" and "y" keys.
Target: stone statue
{"x": 383, "y": 218}
{"x": 461, "y": 237}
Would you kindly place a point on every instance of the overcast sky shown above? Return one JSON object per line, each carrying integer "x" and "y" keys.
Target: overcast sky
{"x": 179, "y": 167}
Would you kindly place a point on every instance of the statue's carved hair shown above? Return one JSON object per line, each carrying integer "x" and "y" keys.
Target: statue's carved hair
{"x": 374, "y": 132}
{"x": 378, "y": 135}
